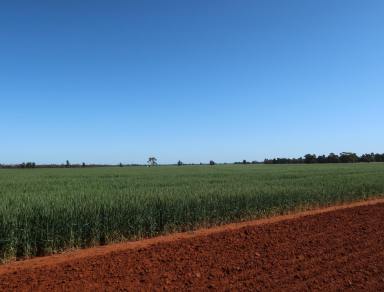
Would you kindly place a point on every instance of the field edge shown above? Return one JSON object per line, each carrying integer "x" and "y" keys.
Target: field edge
{"x": 77, "y": 254}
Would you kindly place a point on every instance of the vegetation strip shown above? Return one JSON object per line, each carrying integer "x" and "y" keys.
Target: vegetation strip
{"x": 46, "y": 211}
{"x": 333, "y": 249}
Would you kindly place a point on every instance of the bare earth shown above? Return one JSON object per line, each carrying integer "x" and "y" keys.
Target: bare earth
{"x": 337, "y": 248}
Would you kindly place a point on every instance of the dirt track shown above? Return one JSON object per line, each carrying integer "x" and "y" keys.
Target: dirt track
{"x": 327, "y": 249}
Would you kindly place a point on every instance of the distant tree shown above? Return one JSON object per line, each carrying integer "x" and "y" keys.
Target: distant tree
{"x": 120, "y": 164}
{"x": 333, "y": 158}
{"x": 322, "y": 159}
{"x": 348, "y": 157}
{"x": 367, "y": 158}
{"x": 297, "y": 160}
{"x": 310, "y": 158}
{"x": 179, "y": 163}
{"x": 152, "y": 161}
{"x": 379, "y": 157}
{"x": 211, "y": 162}
{"x": 244, "y": 161}
{"x": 83, "y": 164}
{"x": 67, "y": 164}
{"x": 29, "y": 165}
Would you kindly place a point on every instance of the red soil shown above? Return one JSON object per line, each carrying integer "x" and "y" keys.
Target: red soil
{"x": 338, "y": 248}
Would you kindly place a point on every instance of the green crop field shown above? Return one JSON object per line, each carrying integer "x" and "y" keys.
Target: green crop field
{"x": 45, "y": 211}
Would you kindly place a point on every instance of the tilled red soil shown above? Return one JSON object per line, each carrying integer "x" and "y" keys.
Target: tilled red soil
{"x": 340, "y": 249}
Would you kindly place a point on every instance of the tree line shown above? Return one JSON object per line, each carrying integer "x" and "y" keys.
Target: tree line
{"x": 343, "y": 157}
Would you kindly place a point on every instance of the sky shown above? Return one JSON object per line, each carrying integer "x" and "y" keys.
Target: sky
{"x": 119, "y": 81}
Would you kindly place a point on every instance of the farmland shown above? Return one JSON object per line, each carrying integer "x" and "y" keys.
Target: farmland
{"x": 45, "y": 211}
{"x": 339, "y": 248}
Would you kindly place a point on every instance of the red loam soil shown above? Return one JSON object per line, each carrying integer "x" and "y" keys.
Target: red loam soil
{"x": 337, "y": 248}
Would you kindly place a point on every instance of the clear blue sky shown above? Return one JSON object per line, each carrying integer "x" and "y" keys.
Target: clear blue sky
{"x": 111, "y": 81}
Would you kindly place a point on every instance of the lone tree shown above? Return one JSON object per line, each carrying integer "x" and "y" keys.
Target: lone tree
{"x": 212, "y": 162}
{"x": 152, "y": 161}
{"x": 67, "y": 164}
{"x": 179, "y": 163}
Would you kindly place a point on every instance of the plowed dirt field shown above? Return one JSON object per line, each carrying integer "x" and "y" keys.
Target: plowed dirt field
{"x": 338, "y": 248}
